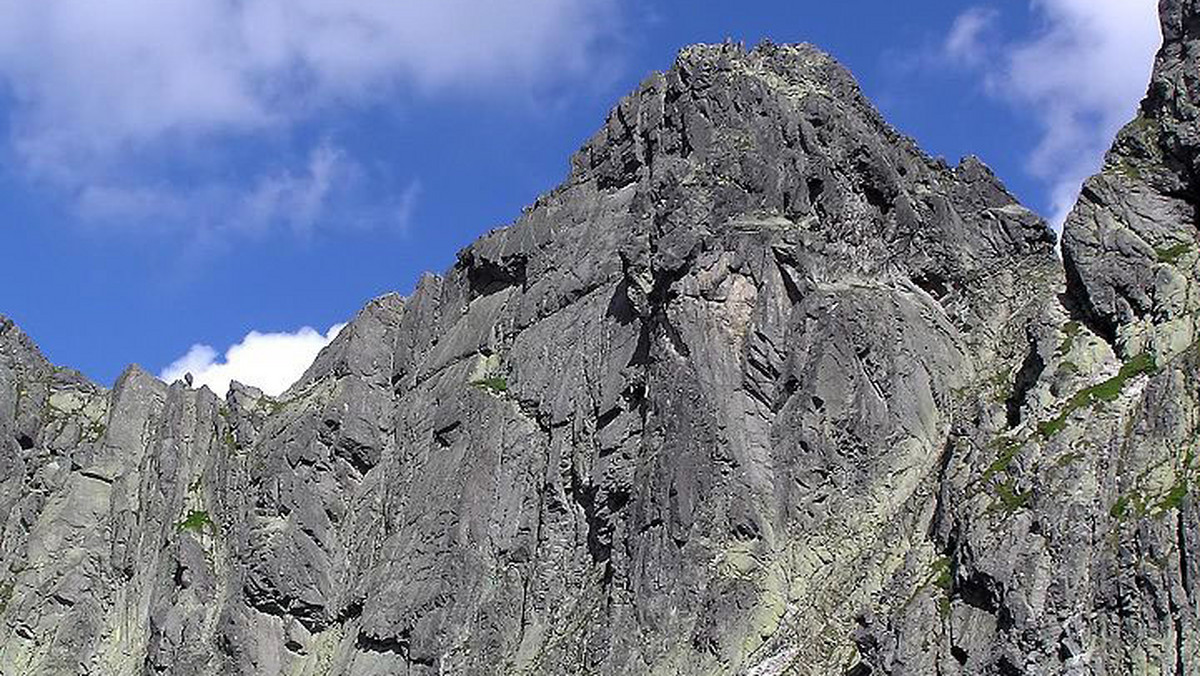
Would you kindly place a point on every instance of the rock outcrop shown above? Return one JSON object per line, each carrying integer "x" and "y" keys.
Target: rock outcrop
{"x": 1069, "y": 535}
{"x": 759, "y": 389}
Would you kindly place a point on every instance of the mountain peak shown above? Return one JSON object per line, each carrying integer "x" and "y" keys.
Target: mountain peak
{"x": 760, "y": 389}
{"x": 708, "y": 105}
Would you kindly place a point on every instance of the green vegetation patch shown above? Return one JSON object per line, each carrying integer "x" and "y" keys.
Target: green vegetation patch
{"x": 1008, "y": 499}
{"x": 1120, "y": 508}
{"x": 1007, "y": 450}
{"x": 941, "y": 575}
{"x": 1067, "y": 368}
{"x": 493, "y": 384}
{"x": 1138, "y": 504}
{"x": 197, "y": 522}
{"x": 1174, "y": 497}
{"x": 1172, "y": 254}
{"x": 1106, "y": 391}
{"x": 1129, "y": 170}
{"x": 1068, "y": 459}
{"x": 269, "y": 406}
{"x": 943, "y": 578}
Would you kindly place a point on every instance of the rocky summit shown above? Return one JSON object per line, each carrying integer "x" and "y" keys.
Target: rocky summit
{"x": 760, "y": 389}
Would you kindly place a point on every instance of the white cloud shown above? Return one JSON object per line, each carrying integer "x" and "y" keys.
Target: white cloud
{"x": 91, "y": 78}
{"x": 300, "y": 197}
{"x": 269, "y": 361}
{"x": 1081, "y": 76}
{"x": 295, "y": 198}
{"x": 965, "y": 41}
{"x": 100, "y": 91}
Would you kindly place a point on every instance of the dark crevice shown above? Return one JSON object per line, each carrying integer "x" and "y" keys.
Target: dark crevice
{"x": 745, "y": 530}
{"x": 758, "y": 361}
{"x": 1185, "y": 581}
{"x": 1064, "y": 651}
{"x": 670, "y": 98}
{"x": 1179, "y": 669}
{"x": 980, "y": 591}
{"x": 599, "y": 512}
{"x": 1027, "y": 376}
{"x": 873, "y": 183}
{"x": 487, "y": 276}
{"x": 25, "y": 442}
{"x": 361, "y": 457}
{"x": 641, "y": 351}
{"x": 294, "y": 646}
{"x": 868, "y": 648}
{"x": 585, "y": 497}
{"x": 786, "y": 391}
{"x": 1004, "y": 667}
{"x": 445, "y": 436}
{"x": 660, "y": 297}
{"x": 400, "y": 646}
{"x": 87, "y": 474}
{"x": 619, "y": 306}
{"x": 940, "y": 513}
{"x": 1005, "y": 620}
{"x": 932, "y": 283}
{"x": 654, "y": 316}
{"x": 1181, "y": 537}
{"x": 816, "y": 188}
{"x": 605, "y": 419}
{"x": 308, "y": 615}
{"x": 877, "y": 198}
{"x": 635, "y": 396}
{"x": 1079, "y": 306}
{"x": 352, "y": 611}
{"x": 785, "y": 267}
{"x": 959, "y": 655}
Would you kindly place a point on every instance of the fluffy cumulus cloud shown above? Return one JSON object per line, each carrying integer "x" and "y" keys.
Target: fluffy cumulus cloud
{"x": 1080, "y": 76}
{"x": 97, "y": 90}
{"x": 268, "y": 361}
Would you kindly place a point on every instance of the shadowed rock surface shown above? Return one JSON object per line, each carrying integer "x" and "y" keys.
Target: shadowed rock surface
{"x": 759, "y": 389}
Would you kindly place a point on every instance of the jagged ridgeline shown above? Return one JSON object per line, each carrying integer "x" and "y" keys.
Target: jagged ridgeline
{"x": 760, "y": 389}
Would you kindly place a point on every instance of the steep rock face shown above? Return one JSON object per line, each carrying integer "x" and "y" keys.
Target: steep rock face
{"x": 1130, "y": 244}
{"x": 759, "y": 389}
{"x": 1069, "y": 532}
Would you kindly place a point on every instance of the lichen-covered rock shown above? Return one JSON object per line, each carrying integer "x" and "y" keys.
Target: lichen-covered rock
{"x": 1067, "y": 529}
{"x": 760, "y": 389}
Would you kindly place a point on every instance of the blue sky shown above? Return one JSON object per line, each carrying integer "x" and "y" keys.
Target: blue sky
{"x": 177, "y": 175}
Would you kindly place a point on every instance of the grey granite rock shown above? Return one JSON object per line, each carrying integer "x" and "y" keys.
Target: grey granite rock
{"x": 759, "y": 389}
{"x": 1067, "y": 533}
